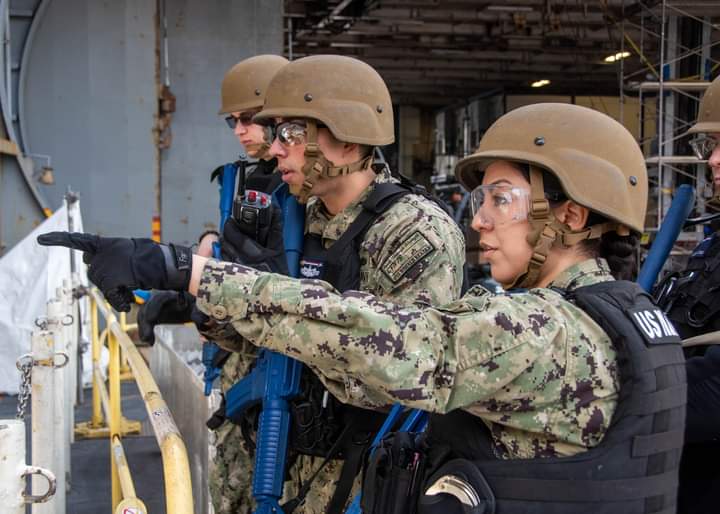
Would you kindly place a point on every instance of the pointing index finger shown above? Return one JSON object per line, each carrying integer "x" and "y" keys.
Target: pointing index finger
{"x": 75, "y": 240}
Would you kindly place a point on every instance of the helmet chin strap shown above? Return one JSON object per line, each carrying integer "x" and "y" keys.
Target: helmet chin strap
{"x": 546, "y": 230}
{"x": 261, "y": 150}
{"x": 317, "y": 166}
{"x": 258, "y": 151}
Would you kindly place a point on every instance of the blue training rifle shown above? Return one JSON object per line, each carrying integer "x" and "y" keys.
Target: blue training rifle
{"x": 675, "y": 218}
{"x": 226, "y": 183}
{"x": 273, "y": 382}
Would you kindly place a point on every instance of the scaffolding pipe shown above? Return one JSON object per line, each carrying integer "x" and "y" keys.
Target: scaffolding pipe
{"x": 43, "y": 402}
{"x": 661, "y": 118}
{"x": 670, "y": 108}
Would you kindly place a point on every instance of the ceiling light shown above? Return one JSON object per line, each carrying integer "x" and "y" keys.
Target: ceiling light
{"x": 340, "y": 44}
{"x": 509, "y": 8}
{"x": 540, "y": 83}
{"x": 616, "y": 57}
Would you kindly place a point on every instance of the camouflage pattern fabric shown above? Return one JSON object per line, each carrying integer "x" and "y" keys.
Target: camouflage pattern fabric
{"x": 536, "y": 368}
{"x": 230, "y": 480}
{"x": 413, "y": 253}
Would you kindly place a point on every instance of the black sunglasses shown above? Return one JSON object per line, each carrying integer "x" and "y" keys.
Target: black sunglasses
{"x": 245, "y": 119}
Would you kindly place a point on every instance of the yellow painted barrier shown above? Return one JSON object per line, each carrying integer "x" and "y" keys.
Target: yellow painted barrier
{"x": 176, "y": 468}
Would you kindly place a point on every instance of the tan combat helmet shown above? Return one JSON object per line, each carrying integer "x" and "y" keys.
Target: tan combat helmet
{"x": 342, "y": 93}
{"x": 596, "y": 160}
{"x": 244, "y": 87}
{"x": 708, "y": 120}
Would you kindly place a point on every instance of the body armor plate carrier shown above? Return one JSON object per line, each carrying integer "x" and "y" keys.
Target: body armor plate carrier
{"x": 634, "y": 468}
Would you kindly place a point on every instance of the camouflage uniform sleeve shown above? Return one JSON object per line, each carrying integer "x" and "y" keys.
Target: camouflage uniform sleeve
{"x": 417, "y": 253}
{"x": 223, "y": 335}
{"x": 433, "y": 359}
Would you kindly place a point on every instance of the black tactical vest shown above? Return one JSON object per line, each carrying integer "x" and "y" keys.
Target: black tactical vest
{"x": 691, "y": 298}
{"x": 340, "y": 264}
{"x": 322, "y": 425}
{"x": 634, "y": 468}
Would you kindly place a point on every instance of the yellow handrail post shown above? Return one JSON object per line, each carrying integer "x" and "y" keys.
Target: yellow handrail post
{"x": 176, "y": 467}
{"x": 97, "y": 417}
{"x": 115, "y": 411}
{"x": 125, "y": 372}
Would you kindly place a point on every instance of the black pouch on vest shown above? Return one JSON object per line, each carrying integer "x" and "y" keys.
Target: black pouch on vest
{"x": 392, "y": 479}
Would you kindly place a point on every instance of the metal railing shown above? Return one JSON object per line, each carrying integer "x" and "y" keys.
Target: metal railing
{"x": 176, "y": 468}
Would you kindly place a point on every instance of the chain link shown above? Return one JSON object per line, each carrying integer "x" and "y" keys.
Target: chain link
{"x": 25, "y": 367}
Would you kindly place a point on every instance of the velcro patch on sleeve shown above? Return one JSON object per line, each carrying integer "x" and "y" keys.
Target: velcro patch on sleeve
{"x": 413, "y": 250}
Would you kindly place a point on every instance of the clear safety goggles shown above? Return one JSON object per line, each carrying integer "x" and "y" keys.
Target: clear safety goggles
{"x": 499, "y": 204}
{"x": 245, "y": 119}
{"x": 291, "y": 133}
{"x": 703, "y": 146}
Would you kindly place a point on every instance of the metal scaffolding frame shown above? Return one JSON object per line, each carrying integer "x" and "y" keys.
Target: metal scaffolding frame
{"x": 660, "y": 89}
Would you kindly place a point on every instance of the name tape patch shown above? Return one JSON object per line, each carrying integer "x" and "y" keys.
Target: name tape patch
{"x": 654, "y": 325}
{"x": 414, "y": 249}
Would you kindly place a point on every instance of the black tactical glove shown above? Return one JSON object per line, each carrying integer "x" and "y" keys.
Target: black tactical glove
{"x": 118, "y": 265}
{"x": 163, "y": 307}
{"x": 201, "y": 320}
{"x": 266, "y": 253}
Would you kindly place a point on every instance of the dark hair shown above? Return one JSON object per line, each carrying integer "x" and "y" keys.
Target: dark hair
{"x": 620, "y": 252}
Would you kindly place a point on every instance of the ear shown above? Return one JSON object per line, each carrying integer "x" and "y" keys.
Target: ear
{"x": 349, "y": 148}
{"x": 572, "y": 214}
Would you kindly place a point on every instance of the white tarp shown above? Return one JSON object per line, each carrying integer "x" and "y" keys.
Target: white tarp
{"x": 30, "y": 275}
{"x": 76, "y": 225}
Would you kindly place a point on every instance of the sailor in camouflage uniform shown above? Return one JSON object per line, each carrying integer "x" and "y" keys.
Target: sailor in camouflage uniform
{"x": 408, "y": 250}
{"x": 242, "y": 94}
{"x": 243, "y": 91}
{"x": 531, "y": 376}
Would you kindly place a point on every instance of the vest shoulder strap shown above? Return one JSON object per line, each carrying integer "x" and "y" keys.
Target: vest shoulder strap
{"x": 379, "y": 201}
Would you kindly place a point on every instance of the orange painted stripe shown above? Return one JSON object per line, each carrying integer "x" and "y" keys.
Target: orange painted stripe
{"x": 156, "y": 232}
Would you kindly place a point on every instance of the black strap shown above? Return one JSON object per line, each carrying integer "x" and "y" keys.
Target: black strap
{"x": 650, "y": 403}
{"x": 289, "y": 506}
{"x": 644, "y": 445}
{"x": 351, "y": 467}
{"x": 583, "y": 491}
{"x": 381, "y": 199}
{"x": 220, "y": 358}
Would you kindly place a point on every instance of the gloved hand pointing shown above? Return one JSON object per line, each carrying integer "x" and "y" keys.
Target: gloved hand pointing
{"x": 118, "y": 265}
